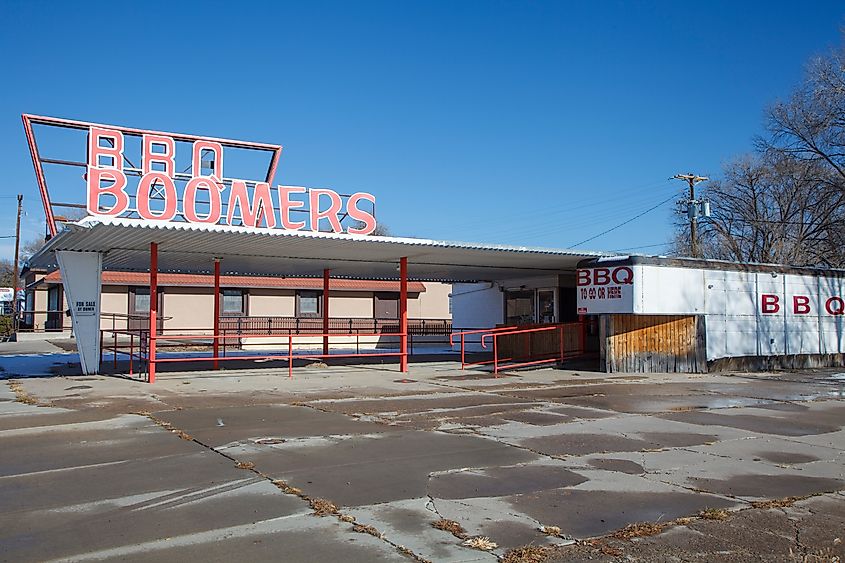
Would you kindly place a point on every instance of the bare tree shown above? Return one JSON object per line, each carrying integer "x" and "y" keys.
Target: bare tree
{"x": 774, "y": 209}
{"x": 810, "y": 126}
{"x": 7, "y": 273}
{"x": 381, "y": 229}
{"x": 786, "y": 203}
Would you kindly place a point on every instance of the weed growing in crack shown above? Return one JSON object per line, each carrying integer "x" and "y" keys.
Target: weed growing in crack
{"x": 551, "y": 531}
{"x": 285, "y": 488}
{"x": 611, "y": 551}
{"x": 824, "y": 555}
{"x": 365, "y": 529}
{"x": 245, "y": 465}
{"x": 638, "y": 530}
{"x": 683, "y": 521}
{"x": 346, "y": 518}
{"x": 21, "y": 395}
{"x": 777, "y": 503}
{"x": 482, "y": 543}
{"x": 452, "y": 527}
{"x": 527, "y": 554}
{"x": 323, "y": 507}
{"x": 714, "y": 514}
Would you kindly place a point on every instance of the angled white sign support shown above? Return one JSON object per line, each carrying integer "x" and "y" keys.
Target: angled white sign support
{"x": 82, "y": 280}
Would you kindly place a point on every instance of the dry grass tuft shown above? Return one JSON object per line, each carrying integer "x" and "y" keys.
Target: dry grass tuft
{"x": 364, "y": 529}
{"x": 824, "y": 555}
{"x": 323, "y": 507}
{"x": 777, "y": 503}
{"x": 21, "y": 395}
{"x": 410, "y": 554}
{"x": 166, "y": 425}
{"x": 452, "y": 527}
{"x": 285, "y": 488}
{"x": 638, "y": 530}
{"x": 611, "y": 551}
{"x": 245, "y": 465}
{"x": 683, "y": 521}
{"x": 714, "y": 514}
{"x": 482, "y": 543}
{"x": 550, "y": 531}
{"x": 527, "y": 554}
{"x": 317, "y": 365}
{"x": 346, "y": 518}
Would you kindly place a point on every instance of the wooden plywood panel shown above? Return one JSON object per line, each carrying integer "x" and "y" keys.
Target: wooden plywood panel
{"x": 655, "y": 343}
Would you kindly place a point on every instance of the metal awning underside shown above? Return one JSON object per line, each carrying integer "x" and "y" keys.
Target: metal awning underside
{"x": 191, "y": 248}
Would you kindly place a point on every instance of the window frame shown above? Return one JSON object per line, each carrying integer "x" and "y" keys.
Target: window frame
{"x": 244, "y": 302}
{"x": 298, "y": 306}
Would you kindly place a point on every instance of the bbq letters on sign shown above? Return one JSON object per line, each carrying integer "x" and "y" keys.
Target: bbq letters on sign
{"x": 605, "y": 290}
{"x": 207, "y": 196}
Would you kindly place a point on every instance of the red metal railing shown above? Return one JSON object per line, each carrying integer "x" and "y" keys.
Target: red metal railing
{"x": 564, "y": 351}
{"x": 290, "y": 355}
{"x": 139, "y": 347}
{"x": 463, "y": 334}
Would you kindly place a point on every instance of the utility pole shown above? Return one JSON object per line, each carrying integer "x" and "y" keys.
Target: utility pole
{"x": 693, "y": 208}
{"x": 16, "y": 271}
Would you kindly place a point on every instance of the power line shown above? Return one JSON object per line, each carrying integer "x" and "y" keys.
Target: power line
{"x": 639, "y": 247}
{"x": 622, "y": 224}
{"x": 579, "y": 223}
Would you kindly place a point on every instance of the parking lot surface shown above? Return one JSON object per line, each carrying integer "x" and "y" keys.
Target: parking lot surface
{"x": 544, "y": 464}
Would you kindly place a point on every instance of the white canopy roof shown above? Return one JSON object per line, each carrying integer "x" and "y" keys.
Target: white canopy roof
{"x": 191, "y": 248}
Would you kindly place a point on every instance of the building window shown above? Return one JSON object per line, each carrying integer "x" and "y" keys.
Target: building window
{"x": 233, "y": 302}
{"x": 309, "y": 303}
{"x": 519, "y": 307}
{"x": 386, "y": 305}
{"x": 139, "y": 300}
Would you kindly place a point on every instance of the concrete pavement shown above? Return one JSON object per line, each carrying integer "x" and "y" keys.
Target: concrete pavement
{"x": 216, "y": 465}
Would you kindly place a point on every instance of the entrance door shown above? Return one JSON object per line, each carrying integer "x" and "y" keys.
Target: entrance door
{"x": 546, "y": 306}
{"x": 139, "y": 308}
{"x": 55, "y": 314}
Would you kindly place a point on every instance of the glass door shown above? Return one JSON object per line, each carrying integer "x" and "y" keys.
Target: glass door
{"x": 546, "y": 305}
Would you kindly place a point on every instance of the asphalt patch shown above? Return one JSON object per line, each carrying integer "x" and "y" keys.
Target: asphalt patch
{"x": 767, "y": 486}
{"x": 501, "y": 481}
{"x": 586, "y": 514}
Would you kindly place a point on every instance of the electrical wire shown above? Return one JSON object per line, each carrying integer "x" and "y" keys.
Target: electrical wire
{"x": 622, "y": 224}
{"x": 584, "y": 222}
{"x": 640, "y": 247}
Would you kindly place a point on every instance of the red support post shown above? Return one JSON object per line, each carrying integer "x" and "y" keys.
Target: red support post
{"x": 216, "y": 343}
{"x": 495, "y": 356}
{"x": 326, "y": 273}
{"x": 403, "y": 313}
{"x": 153, "y": 308}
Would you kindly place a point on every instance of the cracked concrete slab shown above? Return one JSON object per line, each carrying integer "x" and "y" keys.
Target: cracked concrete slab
{"x": 364, "y": 470}
{"x": 409, "y": 523}
{"x": 501, "y": 456}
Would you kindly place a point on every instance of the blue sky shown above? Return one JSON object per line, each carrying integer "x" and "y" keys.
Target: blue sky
{"x": 536, "y": 123}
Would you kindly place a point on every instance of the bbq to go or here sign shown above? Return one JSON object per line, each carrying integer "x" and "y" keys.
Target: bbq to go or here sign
{"x": 605, "y": 290}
